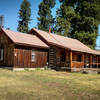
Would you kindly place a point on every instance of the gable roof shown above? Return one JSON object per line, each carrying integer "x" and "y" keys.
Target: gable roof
{"x": 25, "y": 39}
{"x": 96, "y": 52}
{"x": 65, "y": 42}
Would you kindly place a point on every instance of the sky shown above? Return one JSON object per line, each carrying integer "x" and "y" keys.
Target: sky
{"x": 10, "y": 8}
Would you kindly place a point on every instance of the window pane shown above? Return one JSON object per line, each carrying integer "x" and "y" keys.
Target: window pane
{"x": 33, "y": 56}
{"x": 79, "y": 57}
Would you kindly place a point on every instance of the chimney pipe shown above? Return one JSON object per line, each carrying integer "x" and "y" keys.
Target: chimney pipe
{"x": 49, "y": 29}
{"x": 1, "y": 21}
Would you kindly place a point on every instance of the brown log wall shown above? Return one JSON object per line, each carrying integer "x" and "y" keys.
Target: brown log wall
{"x": 75, "y": 62}
{"x": 59, "y": 53}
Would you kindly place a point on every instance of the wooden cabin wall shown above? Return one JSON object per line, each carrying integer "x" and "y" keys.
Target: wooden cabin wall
{"x": 52, "y": 57}
{"x": 23, "y": 58}
{"x": 77, "y": 65}
{"x": 8, "y": 47}
{"x": 41, "y": 59}
{"x": 98, "y": 61}
{"x": 62, "y": 58}
{"x": 58, "y": 57}
{"x": 87, "y": 60}
{"x": 94, "y": 58}
{"x": 77, "y": 60}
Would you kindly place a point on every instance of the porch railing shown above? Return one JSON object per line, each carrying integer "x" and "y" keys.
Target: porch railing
{"x": 77, "y": 64}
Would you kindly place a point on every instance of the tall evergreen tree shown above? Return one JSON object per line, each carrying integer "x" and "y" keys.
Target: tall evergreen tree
{"x": 45, "y": 18}
{"x": 24, "y": 16}
{"x": 79, "y": 19}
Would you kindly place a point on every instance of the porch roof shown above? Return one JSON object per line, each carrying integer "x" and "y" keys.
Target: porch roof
{"x": 25, "y": 39}
{"x": 65, "y": 42}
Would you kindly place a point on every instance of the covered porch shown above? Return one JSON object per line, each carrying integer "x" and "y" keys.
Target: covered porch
{"x": 76, "y": 61}
{"x": 84, "y": 61}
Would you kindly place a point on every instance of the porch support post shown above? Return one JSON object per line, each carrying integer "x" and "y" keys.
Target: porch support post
{"x": 91, "y": 61}
{"x": 70, "y": 59}
{"x": 83, "y": 60}
{"x": 97, "y": 61}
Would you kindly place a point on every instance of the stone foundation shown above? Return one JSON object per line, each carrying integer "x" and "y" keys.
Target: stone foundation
{"x": 22, "y": 69}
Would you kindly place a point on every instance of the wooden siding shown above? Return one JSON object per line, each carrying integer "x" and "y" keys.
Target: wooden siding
{"x": 77, "y": 64}
{"x": 71, "y": 60}
{"x": 77, "y": 60}
{"x": 22, "y": 58}
{"x": 67, "y": 59}
{"x": 52, "y": 57}
{"x": 98, "y": 61}
{"x": 58, "y": 58}
{"x": 8, "y": 47}
{"x": 74, "y": 59}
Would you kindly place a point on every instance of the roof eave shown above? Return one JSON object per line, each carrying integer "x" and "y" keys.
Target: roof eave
{"x": 29, "y": 45}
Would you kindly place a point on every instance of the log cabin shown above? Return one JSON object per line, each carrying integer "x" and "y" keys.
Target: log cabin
{"x": 21, "y": 50}
{"x": 35, "y": 49}
{"x": 67, "y": 53}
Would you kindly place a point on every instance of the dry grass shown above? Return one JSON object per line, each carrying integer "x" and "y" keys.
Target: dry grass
{"x": 48, "y": 85}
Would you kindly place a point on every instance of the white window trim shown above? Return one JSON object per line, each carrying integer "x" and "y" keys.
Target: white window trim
{"x": 33, "y": 59}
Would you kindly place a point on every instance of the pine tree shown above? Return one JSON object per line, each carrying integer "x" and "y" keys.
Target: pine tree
{"x": 24, "y": 16}
{"x": 45, "y": 19}
{"x": 79, "y": 19}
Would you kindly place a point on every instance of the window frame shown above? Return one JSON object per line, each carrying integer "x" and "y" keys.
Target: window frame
{"x": 33, "y": 56}
{"x": 63, "y": 57}
{"x": 79, "y": 58}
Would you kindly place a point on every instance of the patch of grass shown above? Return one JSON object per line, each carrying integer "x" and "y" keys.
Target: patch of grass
{"x": 46, "y": 68}
{"x": 48, "y": 85}
{"x": 26, "y": 69}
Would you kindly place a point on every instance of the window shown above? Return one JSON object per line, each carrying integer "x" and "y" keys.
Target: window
{"x": 79, "y": 57}
{"x": 87, "y": 58}
{"x": 33, "y": 56}
{"x": 94, "y": 59}
{"x": 63, "y": 57}
{"x": 1, "y": 56}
